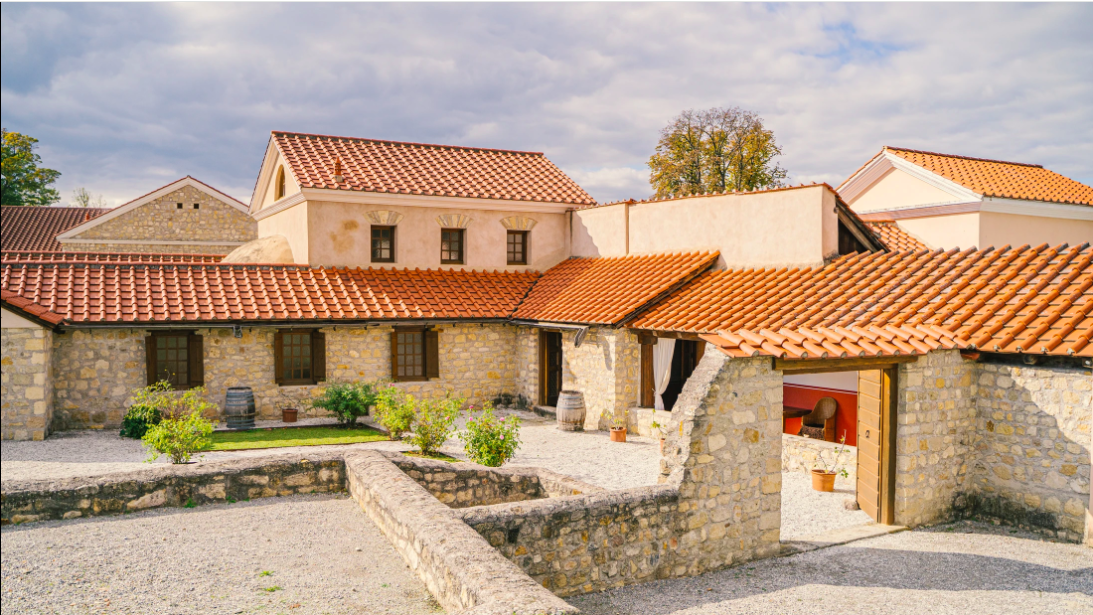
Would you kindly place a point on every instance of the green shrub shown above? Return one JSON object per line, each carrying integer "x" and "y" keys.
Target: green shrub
{"x": 433, "y": 422}
{"x": 346, "y": 400}
{"x": 489, "y": 440}
{"x": 394, "y": 410}
{"x": 178, "y": 437}
{"x": 144, "y": 409}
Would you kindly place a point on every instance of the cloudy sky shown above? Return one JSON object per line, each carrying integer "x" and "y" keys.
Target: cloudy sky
{"x": 125, "y": 97}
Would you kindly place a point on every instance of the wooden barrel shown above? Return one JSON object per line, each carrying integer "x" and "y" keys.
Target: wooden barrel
{"x": 570, "y": 410}
{"x": 239, "y": 408}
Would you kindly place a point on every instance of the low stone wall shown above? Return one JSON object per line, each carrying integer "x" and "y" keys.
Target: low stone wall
{"x": 462, "y": 571}
{"x": 460, "y": 485}
{"x": 171, "y": 486}
{"x": 801, "y": 454}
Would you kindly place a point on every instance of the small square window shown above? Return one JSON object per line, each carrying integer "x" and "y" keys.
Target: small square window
{"x": 518, "y": 247}
{"x": 178, "y": 205}
{"x": 451, "y": 246}
{"x": 197, "y": 205}
{"x": 383, "y": 244}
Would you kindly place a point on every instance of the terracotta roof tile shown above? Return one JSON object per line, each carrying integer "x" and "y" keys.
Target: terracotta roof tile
{"x": 106, "y": 257}
{"x": 36, "y": 228}
{"x": 996, "y": 178}
{"x": 88, "y": 293}
{"x": 895, "y": 238}
{"x": 370, "y": 165}
{"x": 12, "y": 300}
{"x": 1032, "y": 300}
{"x": 606, "y": 290}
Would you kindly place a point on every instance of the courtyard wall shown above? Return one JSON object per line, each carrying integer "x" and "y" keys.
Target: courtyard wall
{"x": 27, "y": 377}
{"x": 606, "y": 367}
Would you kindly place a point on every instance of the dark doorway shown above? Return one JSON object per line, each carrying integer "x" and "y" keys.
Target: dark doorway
{"x": 550, "y": 367}
{"x": 686, "y": 356}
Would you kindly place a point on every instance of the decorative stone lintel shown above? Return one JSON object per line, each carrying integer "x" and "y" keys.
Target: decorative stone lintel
{"x": 384, "y": 218}
{"x": 518, "y": 223}
{"x": 453, "y": 221}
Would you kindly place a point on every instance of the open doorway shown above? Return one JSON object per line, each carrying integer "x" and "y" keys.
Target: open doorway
{"x": 841, "y": 421}
{"x": 666, "y": 364}
{"x": 550, "y": 367}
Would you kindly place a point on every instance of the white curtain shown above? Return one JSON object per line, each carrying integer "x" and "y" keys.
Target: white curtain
{"x": 662, "y": 368}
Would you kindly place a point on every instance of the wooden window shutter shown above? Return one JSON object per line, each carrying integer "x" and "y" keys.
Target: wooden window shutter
{"x": 394, "y": 355}
{"x": 196, "y": 356}
{"x": 432, "y": 353}
{"x": 318, "y": 356}
{"x": 278, "y": 357}
{"x": 150, "y": 357}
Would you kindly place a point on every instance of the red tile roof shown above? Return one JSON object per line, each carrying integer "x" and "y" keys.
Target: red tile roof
{"x": 895, "y": 238}
{"x": 27, "y": 307}
{"x": 1032, "y": 300}
{"x": 36, "y": 228}
{"x": 90, "y": 293}
{"x": 106, "y": 257}
{"x": 607, "y": 290}
{"x": 997, "y": 178}
{"x": 370, "y": 165}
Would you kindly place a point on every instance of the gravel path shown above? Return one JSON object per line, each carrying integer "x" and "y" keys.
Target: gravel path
{"x": 806, "y": 512}
{"x": 957, "y": 569}
{"x": 322, "y": 553}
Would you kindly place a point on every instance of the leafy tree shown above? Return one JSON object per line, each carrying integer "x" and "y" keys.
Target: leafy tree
{"x": 82, "y": 198}
{"x": 24, "y": 182}
{"x": 714, "y": 151}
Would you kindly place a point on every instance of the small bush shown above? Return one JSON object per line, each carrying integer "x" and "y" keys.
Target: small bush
{"x": 144, "y": 409}
{"x": 178, "y": 438}
{"x": 346, "y": 400}
{"x": 433, "y": 422}
{"x": 394, "y": 410}
{"x": 489, "y": 440}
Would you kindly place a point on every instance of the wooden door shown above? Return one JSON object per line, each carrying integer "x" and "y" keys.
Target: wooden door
{"x": 550, "y": 367}
{"x": 648, "y": 392}
{"x": 876, "y": 444}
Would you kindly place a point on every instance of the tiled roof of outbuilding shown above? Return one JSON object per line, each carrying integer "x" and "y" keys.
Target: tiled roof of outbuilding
{"x": 895, "y": 238}
{"x": 1032, "y": 300}
{"x": 105, "y": 257}
{"x": 36, "y": 228}
{"x": 997, "y": 178}
{"x": 370, "y": 165}
{"x": 12, "y": 300}
{"x": 88, "y": 293}
{"x": 607, "y": 290}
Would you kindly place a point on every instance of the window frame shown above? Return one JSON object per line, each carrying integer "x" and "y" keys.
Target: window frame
{"x": 279, "y": 184}
{"x": 372, "y": 242}
{"x": 509, "y": 234}
{"x": 428, "y": 351}
{"x": 462, "y": 234}
{"x": 316, "y": 353}
{"x": 194, "y": 362}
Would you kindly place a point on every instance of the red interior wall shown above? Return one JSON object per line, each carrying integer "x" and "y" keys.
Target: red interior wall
{"x": 846, "y": 417}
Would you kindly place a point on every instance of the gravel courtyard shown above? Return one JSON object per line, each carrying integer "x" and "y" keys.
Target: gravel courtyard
{"x": 956, "y": 569}
{"x": 322, "y": 555}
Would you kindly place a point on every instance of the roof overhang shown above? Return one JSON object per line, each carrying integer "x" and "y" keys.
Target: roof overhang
{"x": 73, "y": 232}
{"x": 884, "y": 163}
{"x": 409, "y": 200}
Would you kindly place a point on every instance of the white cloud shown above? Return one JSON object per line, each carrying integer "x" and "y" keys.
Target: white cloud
{"x": 115, "y": 91}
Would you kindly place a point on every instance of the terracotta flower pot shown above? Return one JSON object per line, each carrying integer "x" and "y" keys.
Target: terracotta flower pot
{"x": 288, "y": 415}
{"x": 823, "y": 481}
{"x": 618, "y": 435}
{"x": 662, "y": 447}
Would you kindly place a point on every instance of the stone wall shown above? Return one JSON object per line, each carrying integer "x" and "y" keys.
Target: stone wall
{"x": 159, "y": 222}
{"x": 606, "y": 368}
{"x": 1033, "y": 457}
{"x": 526, "y": 363}
{"x": 800, "y": 454}
{"x": 462, "y": 571}
{"x": 27, "y": 396}
{"x": 172, "y": 486}
{"x": 934, "y": 436}
{"x": 96, "y": 369}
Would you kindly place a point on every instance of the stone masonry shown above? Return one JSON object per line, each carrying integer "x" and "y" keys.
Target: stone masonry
{"x": 218, "y": 227}
{"x": 606, "y": 368}
{"x": 801, "y": 454}
{"x": 1033, "y": 431}
{"x": 934, "y": 436}
{"x": 94, "y": 372}
{"x": 26, "y": 399}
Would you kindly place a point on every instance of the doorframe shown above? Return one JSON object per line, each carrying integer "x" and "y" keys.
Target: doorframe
{"x": 889, "y": 369}
{"x": 544, "y": 377}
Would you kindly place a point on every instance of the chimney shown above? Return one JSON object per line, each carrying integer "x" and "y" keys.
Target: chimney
{"x": 338, "y": 170}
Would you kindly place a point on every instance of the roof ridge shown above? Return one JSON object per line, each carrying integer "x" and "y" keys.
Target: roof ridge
{"x": 655, "y": 199}
{"x": 918, "y": 151}
{"x": 403, "y": 143}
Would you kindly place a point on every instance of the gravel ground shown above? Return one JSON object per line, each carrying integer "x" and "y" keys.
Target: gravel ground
{"x": 806, "y": 512}
{"x": 956, "y": 569}
{"x": 322, "y": 553}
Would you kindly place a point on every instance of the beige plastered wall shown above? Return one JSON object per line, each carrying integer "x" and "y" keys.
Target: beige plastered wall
{"x": 339, "y": 234}
{"x": 292, "y": 225}
{"x": 291, "y": 187}
{"x": 783, "y": 227}
{"x": 998, "y": 229}
{"x": 946, "y": 232}
{"x": 899, "y": 189}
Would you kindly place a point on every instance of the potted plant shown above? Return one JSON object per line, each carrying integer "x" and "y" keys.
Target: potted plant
{"x": 823, "y": 476}
{"x": 618, "y": 426}
{"x": 658, "y": 432}
{"x": 290, "y": 409}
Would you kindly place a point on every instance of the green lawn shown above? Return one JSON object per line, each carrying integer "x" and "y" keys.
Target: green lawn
{"x": 296, "y": 436}
{"x": 437, "y": 456}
